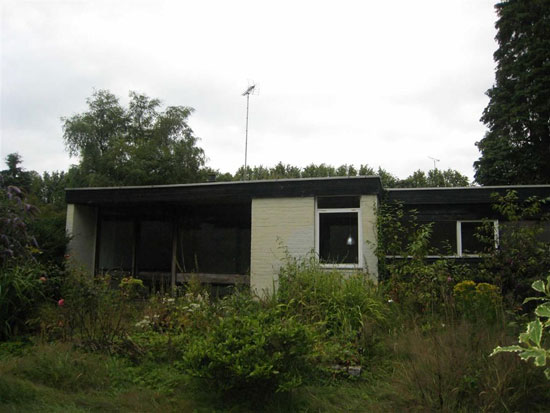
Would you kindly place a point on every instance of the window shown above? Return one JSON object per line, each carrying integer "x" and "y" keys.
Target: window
{"x": 338, "y": 234}
{"x": 116, "y": 238}
{"x": 460, "y": 238}
{"x": 443, "y": 238}
{"x": 155, "y": 246}
{"x": 475, "y": 237}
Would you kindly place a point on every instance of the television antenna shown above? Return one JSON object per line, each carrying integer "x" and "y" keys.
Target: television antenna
{"x": 251, "y": 90}
{"x": 435, "y": 160}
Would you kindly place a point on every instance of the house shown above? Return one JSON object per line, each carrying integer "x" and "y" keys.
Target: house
{"x": 240, "y": 232}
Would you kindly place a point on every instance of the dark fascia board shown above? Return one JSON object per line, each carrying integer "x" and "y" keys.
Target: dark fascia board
{"x": 229, "y": 192}
{"x": 462, "y": 195}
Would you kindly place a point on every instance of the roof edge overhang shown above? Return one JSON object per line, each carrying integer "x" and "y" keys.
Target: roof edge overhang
{"x": 462, "y": 195}
{"x": 228, "y": 192}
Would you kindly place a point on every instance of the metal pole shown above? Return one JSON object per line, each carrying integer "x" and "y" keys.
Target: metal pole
{"x": 246, "y": 139}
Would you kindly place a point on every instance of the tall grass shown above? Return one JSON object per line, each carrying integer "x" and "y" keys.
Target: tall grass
{"x": 20, "y": 290}
{"x": 347, "y": 308}
{"x": 449, "y": 369}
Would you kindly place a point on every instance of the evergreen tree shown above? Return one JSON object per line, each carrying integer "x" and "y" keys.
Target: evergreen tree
{"x": 516, "y": 147}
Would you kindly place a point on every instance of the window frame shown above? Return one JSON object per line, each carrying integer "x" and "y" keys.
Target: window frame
{"x": 359, "y": 243}
{"x": 459, "y": 252}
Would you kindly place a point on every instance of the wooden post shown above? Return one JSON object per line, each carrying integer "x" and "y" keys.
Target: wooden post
{"x": 135, "y": 247}
{"x": 174, "y": 255}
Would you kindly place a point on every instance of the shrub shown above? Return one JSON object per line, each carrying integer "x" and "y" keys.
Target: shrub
{"x": 169, "y": 323}
{"x": 16, "y": 243}
{"x": 252, "y": 351}
{"x": 174, "y": 314}
{"x": 419, "y": 285}
{"x": 477, "y": 301}
{"x": 346, "y": 308}
{"x": 48, "y": 227}
{"x": 523, "y": 255}
{"x": 20, "y": 291}
{"x": 91, "y": 311}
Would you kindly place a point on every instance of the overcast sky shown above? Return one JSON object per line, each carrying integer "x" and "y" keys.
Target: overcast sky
{"x": 361, "y": 82}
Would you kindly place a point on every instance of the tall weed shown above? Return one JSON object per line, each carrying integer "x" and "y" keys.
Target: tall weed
{"x": 94, "y": 312}
{"x": 21, "y": 290}
{"x": 347, "y": 308}
{"x": 449, "y": 369}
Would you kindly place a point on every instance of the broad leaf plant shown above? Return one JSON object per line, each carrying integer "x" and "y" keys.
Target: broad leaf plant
{"x": 531, "y": 345}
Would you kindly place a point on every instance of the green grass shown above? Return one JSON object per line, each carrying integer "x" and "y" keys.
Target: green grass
{"x": 438, "y": 369}
{"x": 411, "y": 361}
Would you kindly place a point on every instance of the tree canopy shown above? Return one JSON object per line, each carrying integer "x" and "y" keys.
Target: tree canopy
{"x": 516, "y": 147}
{"x": 419, "y": 179}
{"x": 137, "y": 145}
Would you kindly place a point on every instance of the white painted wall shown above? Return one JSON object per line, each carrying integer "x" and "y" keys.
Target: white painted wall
{"x": 369, "y": 208}
{"x": 82, "y": 228}
{"x": 278, "y": 223}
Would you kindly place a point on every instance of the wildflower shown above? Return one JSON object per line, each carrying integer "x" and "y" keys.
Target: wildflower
{"x": 43, "y": 279}
{"x": 61, "y": 302}
{"x": 449, "y": 279}
{"x": 390, "y": 301}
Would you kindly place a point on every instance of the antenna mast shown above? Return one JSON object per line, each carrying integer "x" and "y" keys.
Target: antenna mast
{"x": 435, "y": 160}
{"x": 247, "y": 93}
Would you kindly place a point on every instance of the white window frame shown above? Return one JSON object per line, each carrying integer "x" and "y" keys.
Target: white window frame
{"x": 459, "y": 251}
{"x": 318, "y": 212}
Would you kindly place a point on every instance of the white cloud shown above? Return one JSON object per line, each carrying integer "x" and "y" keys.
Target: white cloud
{"x": 386, "y": 83}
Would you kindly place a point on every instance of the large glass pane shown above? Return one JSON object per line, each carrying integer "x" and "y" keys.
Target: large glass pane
{"x": 443, "y": 238}
{"x": 215, "y": 248}
{"x": 155, "y": 246}
{"x": 338, "y": 238}
{"x": 115, "y": 245}
{"x": 333, "y": 202}
{"x": 477, "y": 237}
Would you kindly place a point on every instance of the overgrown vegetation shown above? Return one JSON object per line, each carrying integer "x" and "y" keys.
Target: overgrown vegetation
{"x": 419, "y": 340}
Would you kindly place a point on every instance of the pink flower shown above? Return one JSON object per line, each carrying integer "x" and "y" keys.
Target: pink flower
{"x": 449, "y": 279}
{"x": 43, "y": 279}
{"x": 61, "y": 303}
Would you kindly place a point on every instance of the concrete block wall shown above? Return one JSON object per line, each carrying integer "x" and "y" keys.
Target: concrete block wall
{"x": 82, "y": 228}
{"x": 369, "y": 207}
{"x": 278, "y": 223}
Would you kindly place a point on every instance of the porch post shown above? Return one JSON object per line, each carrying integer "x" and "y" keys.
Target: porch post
{"x": 174, "y": 255}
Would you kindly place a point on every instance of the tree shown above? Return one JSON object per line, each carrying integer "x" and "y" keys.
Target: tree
{"x": 516, "y": 147}
{"x": 436, "y": 178}
{"x": 138, "y": 145}
{"x": 15, "y": 175}
{"x": 419, "y": 179}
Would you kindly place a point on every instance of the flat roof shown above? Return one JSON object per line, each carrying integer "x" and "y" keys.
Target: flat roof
{"x": 229, "y": 192}
{"x": 462, "y": 195}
